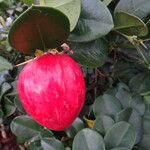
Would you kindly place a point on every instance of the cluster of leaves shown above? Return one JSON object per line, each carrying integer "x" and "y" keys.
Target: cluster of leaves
{"x": 110, "y": 40}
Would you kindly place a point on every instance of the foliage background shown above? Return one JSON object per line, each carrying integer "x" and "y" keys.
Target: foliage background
{"x": 110, "y": 40}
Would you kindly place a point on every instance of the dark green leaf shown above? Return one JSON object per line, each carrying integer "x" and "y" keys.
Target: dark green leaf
{"x": 129, "y": 25}
{"x": 122, "y": 134}
{"x": 28, "y": 2}
{"x": 92, "y": 54}
{"x": 1, "y": 116}
{"x": 39, "y": 28}
{"x": 45, "y": 133}
{"x": 4, "y": 64}
{"x": 76, "y": 126}
{"x": 106, "y": 2}
{"x": 46, "y": 144}
{"x": 146, "y": 123}
{"x": 19, "y": 105}
{"x": 138, "y": 104}
{"x": 120, "y": 148}
{"x": 147, "y": 101}
{"x": 71, "y": 8}
{"x": 103, "y": 123}
{"x": 124, "y": 71}
{"x": 95, "y": 21}
{"x": 8, "y": 107}
{"x": 4, "y": 89}
{"x": 88, "y": 139}
{"x": 106, "y": 105}
{"x": 124, "y": 115}
{"x": 140, "y": 83}
{"x": 136, "y": 121}
{"x": 139, "y": 8}
{"x": 25, "y": 128}
{"x": 124, "y": 97}
{"x": 145, "y": 142}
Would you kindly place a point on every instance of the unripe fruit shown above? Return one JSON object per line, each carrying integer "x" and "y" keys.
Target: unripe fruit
{"x": 52, "y": 90}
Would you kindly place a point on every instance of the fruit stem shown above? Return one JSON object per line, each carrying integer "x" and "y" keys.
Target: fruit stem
{"x": 23, "y": 63}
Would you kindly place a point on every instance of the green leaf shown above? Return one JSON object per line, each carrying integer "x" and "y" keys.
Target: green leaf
{"x": 28, "y": 2}
{"x": 138, "y": 104}
{"x": 148, "y": 25}
{"x": 140, "y": 83}
{"x": 146, "y": 123}
{"x": 39, "y": 28}
{"x": 124, "y": 115}
{"x": 122, "y": 134}
{"x": 25, "y": 128}
{"x": 88, "y": 139}
{"x": 45, "y": 133}
{"x": 145, "y": 142}
{"x": 19, "y": 105}
{"x": 124, "y": 97}
{"x": 5, "y": 87}
{"x": 4, "y": 64}
{"x": 129, "y": 24}
{"x": 95, "y": 21}
{"x": 8, "y": 107}
{"x": 46, "y": 144}
{"x": 120, "y": 148}
{"x": 1, "y": 116}
{"x": 91, "y": 54}
{"x": 71, "y": 8}
{"x": 139, "y": 8}
{"x": 51, "y": 144}
{"x": 147, "y": 101}
{"x": 106, "y": 105}
{"x": 103, "y": 123}
{"x": 124, "y": 70}
{"x": 76, "y": 126}
{"x": 136, "y": 121}
{"x": 127, "y": 100}
{"x": 106, "y": 2}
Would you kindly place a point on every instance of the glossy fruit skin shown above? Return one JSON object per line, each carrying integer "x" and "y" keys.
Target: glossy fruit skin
{"x": 52, "y": 90}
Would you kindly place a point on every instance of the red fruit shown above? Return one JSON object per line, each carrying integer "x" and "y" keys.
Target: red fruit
{"x": 52, "y": 90}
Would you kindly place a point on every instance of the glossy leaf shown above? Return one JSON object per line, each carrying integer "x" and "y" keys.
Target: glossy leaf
{"x": 124, "y": 97}
{"x": 139, "y": 8}
{"x": 145, "y": 142}
{"x": 8, "y": 107}
{"x": 91, "y": 54}
{"x": 46, "y": 144}
{"x": 146, "y": 122}
{"x": 143, "y": 84}
{"x": 39, "y": 28}
{"x": 18, "y": 104}
{"x": 122, "y": 134}
{"x": 71, "y": 8}
{"x": 106, "y": 105}
{"x": 51, "y": 143}
{"x": 28, "y": 2}
{"x": 5, "y": 87}
{"x": 130, "y": 25}
{"x": 4, "y": 64}
{"x": 95, "y": 21}
{"x": 124, "y": 70}
{"x": 103, "y": 123}
{"x": 76, "y": 126}
{"x": 136, "y": 121}
{"x": 88, "y": 139}
{"x": 120, "y": 148}
{"x": 106, "y": 2}
{"x": 124, "y": 115}
{"x": 25, "y": 128}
